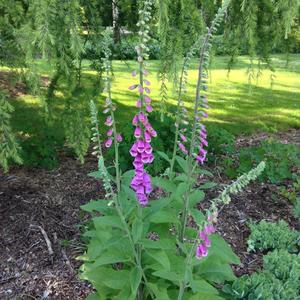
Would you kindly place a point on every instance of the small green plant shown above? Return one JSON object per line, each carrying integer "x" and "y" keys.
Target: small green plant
{"x": 279, "y": 279}
{"x": 269, "y": 236}
{"x": 280, "y": 160}
{"x": 292, "y": 193}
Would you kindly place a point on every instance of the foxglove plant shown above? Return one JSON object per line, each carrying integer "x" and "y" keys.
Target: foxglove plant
{"x": 145, "y": 249}
{"x": 142, "y": 150}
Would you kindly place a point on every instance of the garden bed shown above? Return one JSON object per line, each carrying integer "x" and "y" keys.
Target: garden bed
{"x": 38, "y": 205}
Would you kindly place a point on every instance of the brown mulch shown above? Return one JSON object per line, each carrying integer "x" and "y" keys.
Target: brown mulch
{"x": 51, "y": 200}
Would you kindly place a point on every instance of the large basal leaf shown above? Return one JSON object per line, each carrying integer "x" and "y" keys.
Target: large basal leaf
{"x": 169, "y": 275}
{"x": 212, "y": 270}
{"x": 205, "y": 296}
{"x": 163, "y": 155}
{"x": 222, "y": 250}
{"x": 104, "y": 221}
{"x": 164, "y": 183}
{"x": 137, "y": 230}
{"x": 197, "y": 215}
{"x": 155, "y": 206}
{"x": 195, "y": 197}
{"x": 135, "y": 279}
{"x": 111, "y": 256}
{"x": 96, "y": 205}
{"x": 164, "y": 216}
{"x": 127, "y": 177}
{"x": 201, "y": 286}
{"x": 161, "y": 257}
{"x": 182, "y": 163}
{"x": 160, "y": 290}
{"x": 164, "y": 244}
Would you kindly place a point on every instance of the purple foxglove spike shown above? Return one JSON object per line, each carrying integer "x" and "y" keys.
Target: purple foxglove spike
{"x": 148, "y": 149}
{"x": 182, "y": 148}
{"x": 201, "y": 251}
{"x": 147, "y": 90}
{"x": 119, "y": 137}
{"x": 149, "y": 108}
{"x": 138, "y": 132}
{"x": 147, "y": 82}
{"x": 203, "y": 134}
{"x": 109, "y": 121}
{"x": 138, "y": 104}
{"x": 109, "y": 132}
{"x": 133, "y": 87}
{"x": 135, "y": 120}
{"x": 108, "y": 143}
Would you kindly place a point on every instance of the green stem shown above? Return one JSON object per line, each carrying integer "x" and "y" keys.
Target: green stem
{"x": 187, "y": 266}
{"x": 177, "y": 121}
{"x": 193, "y": 138}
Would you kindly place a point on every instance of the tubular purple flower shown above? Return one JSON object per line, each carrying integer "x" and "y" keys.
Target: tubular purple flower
{"x": 109, "y": 121}
{"x": 132, "y": 87}
{"x": 183, "y": 138}
{"x": 137, "y": 132}
{"x": 147, "y": 90}
{"x": 138, "y": 104}
{"x": 147, "y": 99}
{"x": 135, "y": 120}
{"x": 109, "y": 132}
{"x": 147, "y": 136}
{"x": 201, "y": 251}
{"x": 134, "y": 73}
{"x": 149, "y": 108}
{"x": 147, "y": 82}
{"x": 119, "y": 137}
{"x": 108, "y": 143}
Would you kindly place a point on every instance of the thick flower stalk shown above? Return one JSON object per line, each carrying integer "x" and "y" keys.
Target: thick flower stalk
{"x": 141, "y": 150}
{"x": 113, "y": 137}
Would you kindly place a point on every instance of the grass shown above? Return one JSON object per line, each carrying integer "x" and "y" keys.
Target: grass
{"x": 235, "y": 105}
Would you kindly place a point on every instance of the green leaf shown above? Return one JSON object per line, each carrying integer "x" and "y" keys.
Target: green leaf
{"x": 163, "y": 155}
{"x": 208, "y": 185}
{"x": 96, "y": 205}
{"x": 137, "y": 229}
{"x": 205, "y": 296}
{"x": 213, "y": 270}
{"x": 160, "y": 291}
{"x": 164, "y": 244}
{"x": 163, "y": 183}
{"x": 93, "y": 296}
{"x": 204, "y": 172}
{"x": 195, "y": 197}
{"x": 156, "y": 206}
{"x": 108, "y": 221}
{"x": 197, "y": 215}
{"x": 202, "y": 286}
{"x": 164, "y": 216}
{"x": 127, "y": 177}
{"x": 95, "y": 174}
{"x": 161, "y": 257}
{"x": 169, "y": 275}
{"x": 222, "y": 250}
{"x": 135, "y": 279}
{"x": 183, "y": 163}
{"x": 111, "y": 256}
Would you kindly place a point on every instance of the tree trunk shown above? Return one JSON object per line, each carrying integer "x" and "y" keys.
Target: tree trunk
{"x": 115, "y": 17}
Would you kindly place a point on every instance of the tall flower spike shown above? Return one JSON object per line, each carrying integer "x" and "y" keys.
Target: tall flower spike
{"x": 141, "y": 150}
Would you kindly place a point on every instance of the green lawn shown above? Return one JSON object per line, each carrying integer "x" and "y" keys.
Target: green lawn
{"x": 235, "y": 105}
